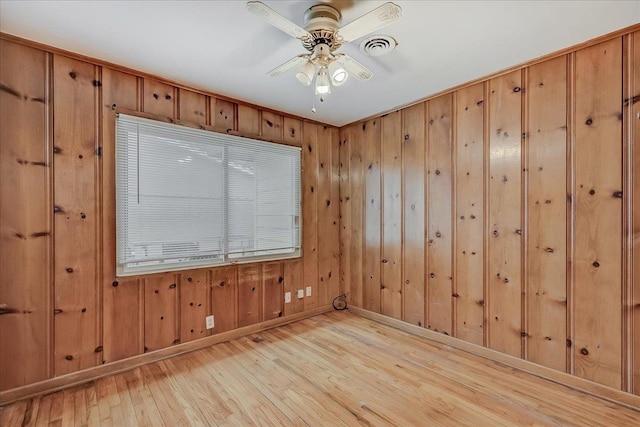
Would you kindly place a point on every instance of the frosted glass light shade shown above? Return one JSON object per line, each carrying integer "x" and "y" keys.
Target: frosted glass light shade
{"x": 338, "y": 74}
{"x": 305, "y": 73}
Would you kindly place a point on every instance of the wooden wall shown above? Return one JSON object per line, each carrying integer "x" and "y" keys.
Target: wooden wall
{"x": 62, "y": 308}
{"x": 506, "y": 213}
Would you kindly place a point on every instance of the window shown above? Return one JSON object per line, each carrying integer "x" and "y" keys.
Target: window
{"x": 187, "y": 198}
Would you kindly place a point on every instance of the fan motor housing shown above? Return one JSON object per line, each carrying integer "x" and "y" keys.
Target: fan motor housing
{"x": 322, "y": 22}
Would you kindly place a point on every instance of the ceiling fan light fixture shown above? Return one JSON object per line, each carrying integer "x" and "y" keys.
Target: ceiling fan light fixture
{"x": 323, "y": 86}
{"x": 305, "y": 73}
{"x": 338, "y": 74}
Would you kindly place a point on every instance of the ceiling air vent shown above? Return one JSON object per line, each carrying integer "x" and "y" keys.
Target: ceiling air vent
{"x": 378, "y": 45}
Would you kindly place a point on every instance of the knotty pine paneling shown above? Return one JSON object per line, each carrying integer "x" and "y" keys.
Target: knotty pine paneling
{"x": 271, "y": 126}
{"x": 547, "y": 213}
{"x": 161, "y": 311}
{"x": 470, "y": 204}
{"x": 391, "y": 298}
{"x": 248, "y": 120}
{"x": 536, "y": 264}
{"x": 249, "y": 294}
{"x": 634, "y": 139}
{"x": 159, "y": 99}
{"x": 223, "y": 114}
{"x": 310, "y": 206}
{"x": 193, "y": 107}
{"x": 372, "y": 226}
{"x": 293, "y": 281}
{"x": 598, "y": 225}
{"x": 505, "y": 214}
{"x": 77, "y": 329}
{"x": 224, "y": 298}
{"x": 355, "y": 140}
{"x": 440, "y": 229}
{"x": 194, "y": 291}
{"x": 25, "y": 217}
{"x": 273, "y": 290}
{"x": 413, "y": 178}
{"x": 122, "y": 300}
{"x": 104, "y": 318}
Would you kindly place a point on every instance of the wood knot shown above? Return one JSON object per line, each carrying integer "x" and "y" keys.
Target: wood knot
{"x": 281, "y": 279}
{"x": 69, "y": 270}
{"x": 189, "y": 279}
{"x": 97, "y": 83}
{"x": 172, "y": 286}
{"x": 592, "y": 191}
{"x": 69, "y": 357}
{"x": 437, "y": 172}
{"x": 584, "y": 351}
{"x": 596, "y": 264}
{"x": 222, "y": 283}
{"x": 517, "y": 89}
{"x": 406, "y": 137}
{"x": 84, "y": 309}
{"x": 98, "y": 349}
{"x": 73, "y": 76}
{"x": 455, "y": 295}
{"x": 617, "y": 194}
{"x": 167, "y": 97}
{"x": 589, "y": 121}
{"x": 155, "y": 95}
{"x": 432, "y": 275}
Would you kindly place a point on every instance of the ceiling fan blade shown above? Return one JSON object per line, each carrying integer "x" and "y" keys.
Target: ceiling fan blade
{"x": 277, "y": 20}
{"x": 293, "y": 62}
{"x": 353, "y": 67}
{"x": 378, "y": 18}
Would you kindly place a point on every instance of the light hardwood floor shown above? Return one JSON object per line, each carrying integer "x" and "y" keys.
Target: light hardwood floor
{"x": 333, "y": 369}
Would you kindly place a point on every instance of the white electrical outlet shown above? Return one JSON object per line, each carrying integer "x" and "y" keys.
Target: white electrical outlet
{"x": 300, "y": 293}
{"x": 287, "y": 297}
{"x": 308, "y": 291}
{"x": 210, "y": 322}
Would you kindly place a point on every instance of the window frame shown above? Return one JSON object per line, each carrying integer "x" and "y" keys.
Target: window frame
{"x": 123, "y": 271}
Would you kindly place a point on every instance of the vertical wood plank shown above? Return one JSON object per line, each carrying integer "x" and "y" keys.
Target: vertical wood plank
{"x": 25, "y": 216}
{"x": 372, "y": 216}
{"x": 248, "y": 120}
{"x": 273, "y": 291}
{"x": 547, "y": 206}
{"x": 634, "y": 138}
{"x": 122, "y": 300}
{"x": 356, "y": 221}
{"x": 293, "y": 281}
{"x": 224, "y": 298}
{"x": 440, "y": 231}
{"x": 271, "y": 124}
{"x": 310, "y": 211}
{"x": 598, "y": 225}
{"x": 292, "y": 131}
{"x": 345, "y": 213}
{"x": 333, "y": 285}
{"x": 193, "y": 107}
{"x": 470, "y": 206}
{"x": 194, "y": 305}
{"x": 413, "y": 175}
{"x": 505, "y": 204}
{"x": 324, "y": 215}
{"x": 76, "y": 244}
{"x": 249, "y": 294}
{"x": 391, "y": 298}
{"x": 161, "y": 312}
{"x": 159, "y": 99}
{"x": 223, "y": 114}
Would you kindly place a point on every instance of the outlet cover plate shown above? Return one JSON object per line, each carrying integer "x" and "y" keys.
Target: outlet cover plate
{"x": 287, "y": 297}
{"x": 300, "y": 293}
{"x": 210, "y": 322}
{"x": 308, "y": 291}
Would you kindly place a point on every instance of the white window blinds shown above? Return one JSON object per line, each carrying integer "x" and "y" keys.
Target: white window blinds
{"x": 187, "y": 197}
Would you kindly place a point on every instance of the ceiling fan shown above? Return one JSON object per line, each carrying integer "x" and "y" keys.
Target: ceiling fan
{"x": 321, "y": 37}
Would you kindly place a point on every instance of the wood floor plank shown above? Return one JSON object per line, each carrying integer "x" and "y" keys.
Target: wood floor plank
{"x": 335, "y": 369}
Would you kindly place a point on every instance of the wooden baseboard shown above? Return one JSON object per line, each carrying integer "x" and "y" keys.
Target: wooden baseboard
{"x": 598, "y": 390}
{"x": 75, "y": 378}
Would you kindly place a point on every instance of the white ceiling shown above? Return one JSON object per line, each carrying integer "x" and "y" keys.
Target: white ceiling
{"x": 220, "y": 47}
